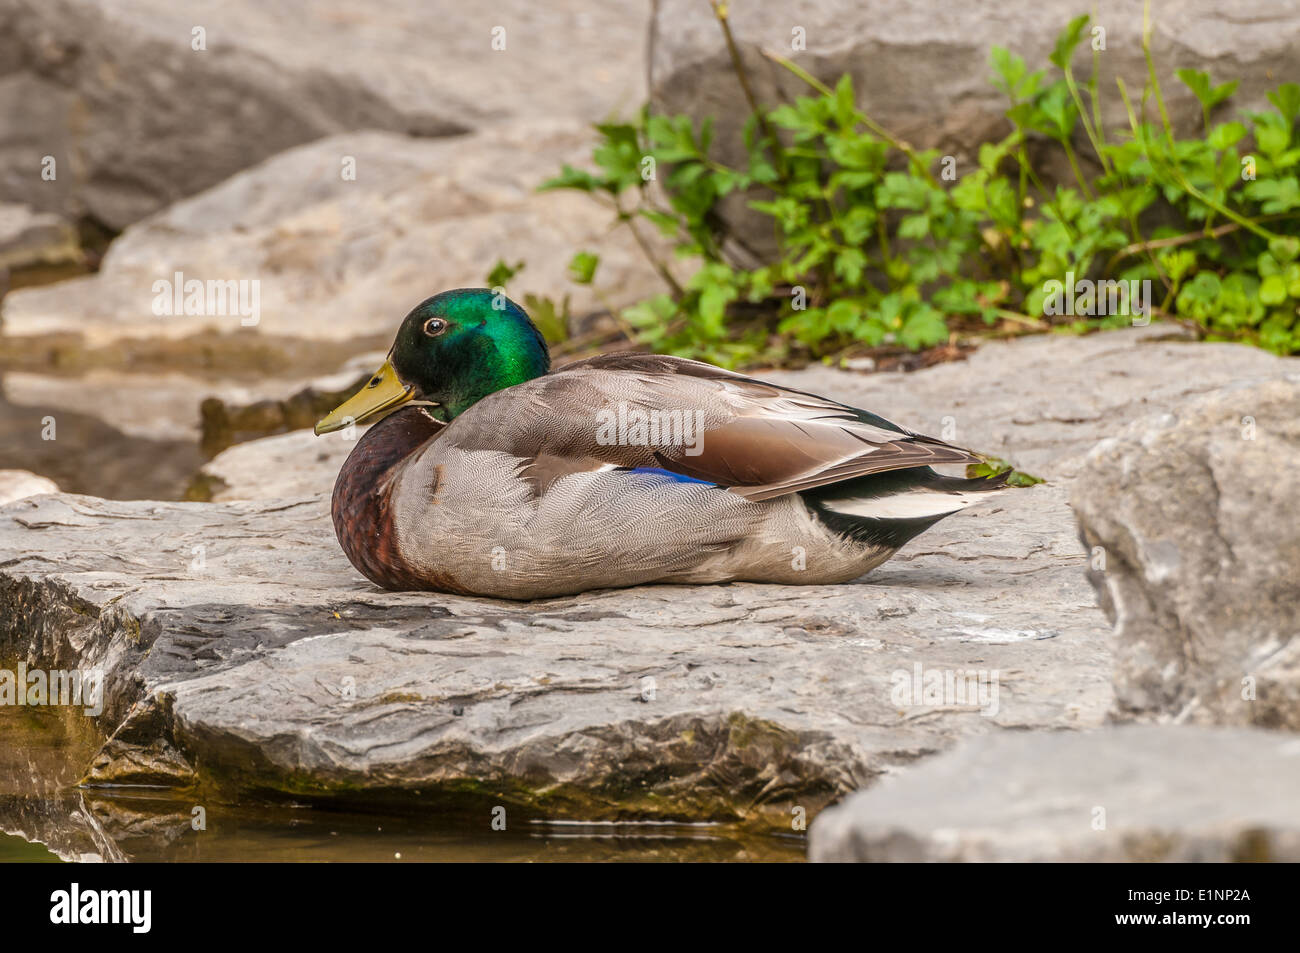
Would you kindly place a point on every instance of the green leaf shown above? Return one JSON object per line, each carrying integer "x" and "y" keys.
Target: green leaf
{"x": 961, "y": 297}
{"x": 1003, "y": 203}
{"x": 1226, "y": 135}
{"x": 923, "y": 327}
{"x": 1287, "y": 100}
{"x": 667, "y": 224}
{"x": 1203, "y": 288}
{"x": 1285, "y": 248}
{"x": 856, "y": 224}
{"x": 842, "y": 316}
{"x": 1285, "y": 159}
{"x": 846, "y": 108}
{"x": 1272, "y": 133}
{"x": 652, "y": 311}
{"x": 582, "y": 269}
{"x": 914, "y": 226}
{"x": 992, "y": 154}
{"x": 1278, "y": 333}
{"x": 1177, "y": 262}
{"x": 1057, "y": 113}
{"x": 713, "y": 303}
{"x": 1206, "y": 92}
{"x": 1012, "y": 77}
{"x": 1276, "y": 195}
{"x": 1009, "y": 67}
{"x": 1067, "y": 40}
{"x": 900, "y": 190}
{"x": 1272, "y": 290}
{"x": 571, "y": 178}
{"x": 501, "y": 273}
{"x": 849, "y": 265}
{"x": 996, "y": 466}
{"x": 551, "y": 319}
{"x": 968, "y": 194}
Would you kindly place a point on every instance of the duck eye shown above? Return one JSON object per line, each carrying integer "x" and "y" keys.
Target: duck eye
{"x": 374, "y": 381}
{"x": 434, "y": 326}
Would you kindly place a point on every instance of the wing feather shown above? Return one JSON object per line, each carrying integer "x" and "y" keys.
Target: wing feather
{"x": 755, "y": 438}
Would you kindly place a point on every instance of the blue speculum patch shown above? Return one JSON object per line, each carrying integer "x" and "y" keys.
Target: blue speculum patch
{"x": 669, "y": 475}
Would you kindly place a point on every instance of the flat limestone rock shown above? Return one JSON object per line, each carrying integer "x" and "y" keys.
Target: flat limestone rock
{"x": 344, "y": 259}
{"x": 258, "y": 659}
{"x": 244, "y": 652}
{"x": 285, "y": 465}
{"x": 20, "y": 484}
{"x": 152, "y": 406}
{"x": 1133, "y": 793}
{"x": 128, "y": 435}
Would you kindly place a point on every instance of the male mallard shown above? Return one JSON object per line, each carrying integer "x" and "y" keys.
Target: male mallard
{"x": 501, "y": 477}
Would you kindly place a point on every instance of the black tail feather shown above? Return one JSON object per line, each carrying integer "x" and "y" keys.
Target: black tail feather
{"x": 893, "y": 531}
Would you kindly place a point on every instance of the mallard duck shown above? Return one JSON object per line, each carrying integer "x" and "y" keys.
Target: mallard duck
{"x": 497, "y": 476}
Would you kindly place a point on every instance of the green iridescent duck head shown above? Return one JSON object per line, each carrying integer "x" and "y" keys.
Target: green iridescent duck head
{"x": 452, "y": 350}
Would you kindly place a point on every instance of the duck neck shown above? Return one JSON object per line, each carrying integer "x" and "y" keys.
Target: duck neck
{"x": 362, "y": 505}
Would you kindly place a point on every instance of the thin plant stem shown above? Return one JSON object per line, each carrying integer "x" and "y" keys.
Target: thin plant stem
{"x": 1093, "y": 85}
{"x": 1074, "y": 167}
{"x": 1020, "y": 318}
{"x": 1083, "y": 118}
{"x": 722, "y": 14}
{"x": 630, "y": 220}
{"x": 1187, "y": 238}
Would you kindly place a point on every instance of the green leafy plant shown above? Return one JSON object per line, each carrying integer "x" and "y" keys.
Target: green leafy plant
{"x": 874, "y": 250}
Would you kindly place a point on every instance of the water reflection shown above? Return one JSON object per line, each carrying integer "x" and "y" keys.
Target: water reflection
{"x": 47, "y": 817}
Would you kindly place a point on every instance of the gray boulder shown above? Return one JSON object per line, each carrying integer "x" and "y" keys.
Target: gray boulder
{"x": 1130, "y": 794}
{"x": 1191, "y": 516}
{"x": 136, "y": 117}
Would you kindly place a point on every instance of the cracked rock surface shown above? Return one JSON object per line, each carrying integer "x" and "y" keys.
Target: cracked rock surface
{"x": 241, "y": 647}
{"x": 1194, "y": 511}
{"x": 244, "y": 653}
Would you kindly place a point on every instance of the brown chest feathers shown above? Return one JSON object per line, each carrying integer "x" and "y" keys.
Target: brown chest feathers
{"x": 362, "y": 505}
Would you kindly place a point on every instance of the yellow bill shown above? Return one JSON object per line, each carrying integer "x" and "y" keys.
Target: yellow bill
{"x": 382, "y": 392}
